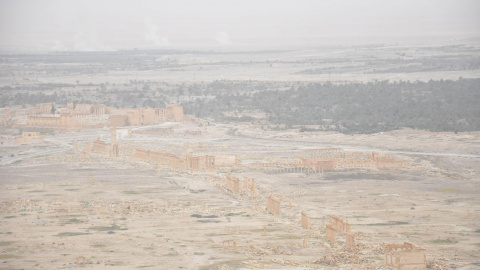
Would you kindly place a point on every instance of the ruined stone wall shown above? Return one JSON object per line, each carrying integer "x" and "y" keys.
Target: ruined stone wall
{"x": 81, "y": 109}
{"x": 355, "y": 164}
{"x": 39, "y": 109}
{"x": 173, "y": 161}
{"x": 30, "y": 137}
{"x": 349, "y": 241}
{"x": 388, "y": 163}
{"x": 7, "y": 117}
{"x": 190, "y": 118}
{"x": 210, "y": 162}
{"x": 8, "y": 141}
{"x": 118, "y": 120}
{"x": 330, "y": 231}
{"x": 273, "y": 205}
{"x": 194, "y": 163}
{"x": 409, "y": 259}
{"x": 174, "y": 112}
{"x": 233, "y": 184}
{"x": 98, "y": 109}
{"x": 62, "y": 121}
{"x": 405, "y": 257}
{"x": 318, "y": 164}
{"x": 24, "y": 138}
{"x": 143, "y": 155}
{"x": 99, "y": 146}
{"x": 305, "y": 221}
{"x": 324, "y": 153}
{"x": 339, "y": 225}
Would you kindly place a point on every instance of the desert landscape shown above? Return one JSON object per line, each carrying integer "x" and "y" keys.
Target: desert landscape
{"x": 221, "y": 135}
{"x": 194, "y": 195}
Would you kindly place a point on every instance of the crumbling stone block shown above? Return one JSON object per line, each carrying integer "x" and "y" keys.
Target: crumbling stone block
{"x": 273, "y": 205}
{"x": 305, "y": 221}
{"x": 405, "y": 257}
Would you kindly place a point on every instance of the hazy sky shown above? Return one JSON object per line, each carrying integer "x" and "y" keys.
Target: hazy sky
{"x": 223, "y": 24}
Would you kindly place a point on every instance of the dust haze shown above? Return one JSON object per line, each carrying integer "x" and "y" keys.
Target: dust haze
{"x": 239, "y": 134}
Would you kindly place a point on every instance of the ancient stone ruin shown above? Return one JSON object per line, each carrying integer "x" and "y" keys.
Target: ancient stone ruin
{"x": 273, "y": 205}
{"x": 230, "y": 245}
{"x": 177, "y": 162}
{"x": 80, "y": 261}
{"x": 233, "y": 183}
{"x": 24, "y": 138}
{"x": 349, "y": 241}
{"x": 305, "y": 221}
{"x": 330, "y": 231}
{"x": 99, "y": 146}
{"x": 406, "y": 256}
{"x": 339, "y": 225}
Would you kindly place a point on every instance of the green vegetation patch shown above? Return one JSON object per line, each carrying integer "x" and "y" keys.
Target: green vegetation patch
{"x": 8, "y": 256}
{"x": 130, "y": 192}
{"x": 208, "y": 221}
{"x": 447, "y": 241}
{"x": 74, "y": 221}
{"x": 71, "y": 234}
{"x": 200, "y": 216}
{"x": 391, "y": 223}
{"x": 114, "y": 227}
{"x": 234, "y": 214}
{"x": 447, "y": 190}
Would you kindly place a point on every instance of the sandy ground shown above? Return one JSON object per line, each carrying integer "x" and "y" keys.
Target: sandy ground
{"x": 122, "y": 214}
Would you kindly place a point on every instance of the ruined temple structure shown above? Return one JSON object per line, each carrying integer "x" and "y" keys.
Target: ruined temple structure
{"x": 273, "y": 205}
{"x": 42, "y": 108}
{"x": 24, "y": 138}
{"x": 230, "y": 244}
{"x": 339, "y": 225}
{"x": 405, "y": 257}
{"x": 98, "y": 109}
{"x": 173, "y": 112}
{"x": 79, "y": 116}
{"x": 305, "y": 221}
